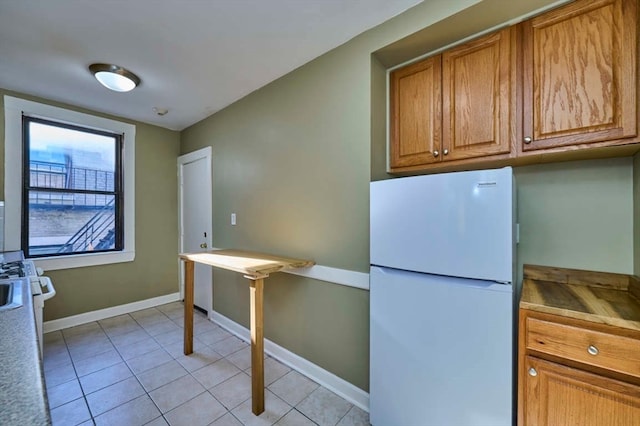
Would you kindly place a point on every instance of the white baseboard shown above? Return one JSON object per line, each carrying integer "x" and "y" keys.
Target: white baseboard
{"x": 101, "y": 314}
{"x": 335, "y": 384}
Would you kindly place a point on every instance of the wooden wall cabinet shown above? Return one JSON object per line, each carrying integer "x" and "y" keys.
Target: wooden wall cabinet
{"x": 580, "y": 74}
{"x": 478, "y": 96}
{"x": 560, "y": 86}
{"x": 416, "y": 105}
{"x": 454, "y": 106}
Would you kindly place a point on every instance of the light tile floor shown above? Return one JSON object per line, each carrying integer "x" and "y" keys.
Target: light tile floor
{"x": 129, "y": 370}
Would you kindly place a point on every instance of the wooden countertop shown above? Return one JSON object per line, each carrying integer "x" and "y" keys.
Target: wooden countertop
{"x": 246, "y": 262}
{"x": 600, "y": 297}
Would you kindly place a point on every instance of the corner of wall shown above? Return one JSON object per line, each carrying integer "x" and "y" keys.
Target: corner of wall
{"x": 636, "y": 214}
{"x": 378, "y": 120}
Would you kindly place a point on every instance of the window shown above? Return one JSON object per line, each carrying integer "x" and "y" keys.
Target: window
{"x": 72, "y": 195}
{"x": 90, "y": 176}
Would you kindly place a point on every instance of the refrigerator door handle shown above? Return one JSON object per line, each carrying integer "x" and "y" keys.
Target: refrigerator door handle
{"x": 467, "y": 282}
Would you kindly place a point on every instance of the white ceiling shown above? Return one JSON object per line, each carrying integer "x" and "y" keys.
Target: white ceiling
{"x": 194, "y": 57}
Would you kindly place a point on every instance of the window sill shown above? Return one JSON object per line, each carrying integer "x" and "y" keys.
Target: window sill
{"x": 82, "y": 260}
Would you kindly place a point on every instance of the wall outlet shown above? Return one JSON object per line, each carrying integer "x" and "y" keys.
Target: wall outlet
{"x": 233, "y": 218}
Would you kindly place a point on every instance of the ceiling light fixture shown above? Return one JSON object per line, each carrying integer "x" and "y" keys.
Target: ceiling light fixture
{"x": 114, "y": 77}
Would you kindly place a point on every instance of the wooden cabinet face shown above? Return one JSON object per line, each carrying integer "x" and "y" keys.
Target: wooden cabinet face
{"x": 456, "y": 105}
{"x": 547, "y": 87}
{"x": 612, "y": 352}
{"x": 558, "y": 395}
{"x": 416, "y": 113}
{"x": 579, "y": 74}
{"x": 477, "y": 93}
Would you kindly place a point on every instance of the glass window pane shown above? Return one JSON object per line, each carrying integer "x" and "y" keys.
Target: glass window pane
{"x": 70, "y": 222}
{"x": 65, "y": 158}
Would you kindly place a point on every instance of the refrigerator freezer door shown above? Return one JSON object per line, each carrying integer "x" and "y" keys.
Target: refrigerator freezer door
{"x": 441, "y": 350}
{"x": 458, "y": 224}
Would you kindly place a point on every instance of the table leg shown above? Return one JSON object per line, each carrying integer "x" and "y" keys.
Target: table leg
{"x": 188, "y": 307}
{"x": 257, "y": 346}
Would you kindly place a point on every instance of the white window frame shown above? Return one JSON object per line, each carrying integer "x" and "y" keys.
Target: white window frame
{"x": 14, "y": 108}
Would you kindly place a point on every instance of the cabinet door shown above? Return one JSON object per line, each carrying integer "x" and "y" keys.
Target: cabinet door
{"x": 579, "y": 70}
{"x": 478, "y": 81}
{"x": 558, "y": 395}
{"x": 416, "y": 102}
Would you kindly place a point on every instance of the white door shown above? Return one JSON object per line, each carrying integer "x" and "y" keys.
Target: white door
{"x": 194, "y": 194}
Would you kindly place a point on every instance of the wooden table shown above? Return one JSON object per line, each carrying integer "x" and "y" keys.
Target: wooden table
{"x": 255, "y": 267}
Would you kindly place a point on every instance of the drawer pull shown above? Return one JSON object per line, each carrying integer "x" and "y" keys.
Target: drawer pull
{"x": 592, "y": 350}
{"x": 533, "y": 372}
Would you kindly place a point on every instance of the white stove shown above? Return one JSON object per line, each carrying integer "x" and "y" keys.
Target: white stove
{"x": 13, "y": 265}
{"x": 17, "y": 269}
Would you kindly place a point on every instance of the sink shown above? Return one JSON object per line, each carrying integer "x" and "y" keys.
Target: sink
{"x": 10, "y": 295}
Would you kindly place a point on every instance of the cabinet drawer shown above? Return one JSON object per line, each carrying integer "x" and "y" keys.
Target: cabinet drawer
{"x": 616, "y": 353}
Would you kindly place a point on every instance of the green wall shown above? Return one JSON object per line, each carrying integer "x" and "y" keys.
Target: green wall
{"x": 294, "y": 160}
{"x": 636, "y": 214}
{"x": 577, "y": 215}
{"x": 154, "y": 272}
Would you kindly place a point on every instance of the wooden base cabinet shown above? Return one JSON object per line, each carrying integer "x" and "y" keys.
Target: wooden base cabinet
{"x": 574, "y": 372}
{"x": 555, "y": 394}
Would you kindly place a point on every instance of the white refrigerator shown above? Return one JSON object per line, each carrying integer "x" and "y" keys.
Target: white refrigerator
{"x": 442, "y": 299}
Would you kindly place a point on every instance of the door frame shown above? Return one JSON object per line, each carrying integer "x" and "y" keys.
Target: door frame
{"x": 182, "y": 161}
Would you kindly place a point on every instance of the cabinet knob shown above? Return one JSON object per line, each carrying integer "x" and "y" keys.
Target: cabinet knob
{"x": 533, "y": 372}
{"x": 592, "y": 350}
{"x": 436, "y": 153}
{"x": 527, "y": 139}
{"x": 445, "y": 152}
